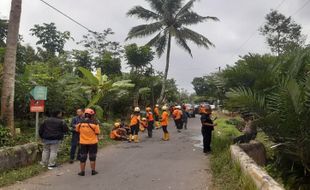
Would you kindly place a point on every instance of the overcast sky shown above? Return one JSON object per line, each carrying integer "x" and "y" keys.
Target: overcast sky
{"x": 240, "y": 20}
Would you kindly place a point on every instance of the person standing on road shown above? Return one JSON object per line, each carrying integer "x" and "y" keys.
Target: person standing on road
{"x": 207, "y": 127}
{"x": 185, "y": 116}
{"x": 134, "y": 125}
{"x": 89, "y": 130}
{"x": 164, "y": 123}
{"x": 75, "y": 136}
{"x": 157, "y": 115}
{"x": 177, "y": 116}
{"x": 150, "y": 120}
{"x": 52, "y": 132}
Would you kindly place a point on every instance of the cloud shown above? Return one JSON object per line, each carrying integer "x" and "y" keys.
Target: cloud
{"x": 240, "y": 20}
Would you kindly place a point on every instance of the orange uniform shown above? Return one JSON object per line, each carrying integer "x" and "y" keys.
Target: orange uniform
{"x": 177, "y": 114}
{"x": 156, "y": 111}
{"x": 114, "y": 134}
{"x": 164, "y": 119}
{"x": 135, "y": 119}
{"x": 88, "y": 133}
{"x": 149, "y": 116}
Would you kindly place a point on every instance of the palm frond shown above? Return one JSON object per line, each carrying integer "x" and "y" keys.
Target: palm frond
{"x": 144, "y": 30}
{"x": 159, "y": 42}
{"x": 248, "y": 100}
{"x": 186, "y": 7}
{"x": 182, "y": 42}
{"x": 171, "y": 7}
{"x": 307, "y": 93}
{"x": 190, "y": 18}
{"x": 195, "y": 37}
{"x": 143, "y": 13}
{"x": 156, "y": 5}
{"x": 294, "y": 93}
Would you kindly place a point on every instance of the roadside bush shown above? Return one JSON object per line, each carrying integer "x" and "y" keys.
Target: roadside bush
{"x": 5, "y": 137}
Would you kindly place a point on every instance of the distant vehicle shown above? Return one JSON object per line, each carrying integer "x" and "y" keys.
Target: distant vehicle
{"x": 196, "y": 109}
{"x": 213, "y": 107}
{"x": 190, "y": 109}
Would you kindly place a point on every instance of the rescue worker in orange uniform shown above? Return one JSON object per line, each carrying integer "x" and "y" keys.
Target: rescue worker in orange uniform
{"x": 89, "y": 130}
{"x": 118, "y": 133}
{"x": 150, "y": 120}
{"x": 177, "y": 116}
{"x": 157, "y": 115}
{"x": 134, "y": 125}
{"x": 164, "y": 121}
{"x": 143, "y": 124}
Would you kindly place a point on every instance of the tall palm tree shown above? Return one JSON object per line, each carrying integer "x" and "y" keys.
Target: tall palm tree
{"x": 8, "y": 85}
{"x": 170, "y": 18}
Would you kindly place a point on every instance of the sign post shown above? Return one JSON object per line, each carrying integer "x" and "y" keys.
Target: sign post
{"x": 37, "y": 104}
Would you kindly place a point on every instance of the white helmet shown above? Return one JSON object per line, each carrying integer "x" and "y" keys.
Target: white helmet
{"x": 178, "y": 107}
{"x": 137, "y": 109}
{"x": 164, "y": 108}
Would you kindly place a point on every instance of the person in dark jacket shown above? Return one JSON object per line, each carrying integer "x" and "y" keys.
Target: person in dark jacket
{"x": 75, "y": 136}
{"x": 52, "y": 132}
{"x": 207, "y": 127}
{"x": 185, "y": 116}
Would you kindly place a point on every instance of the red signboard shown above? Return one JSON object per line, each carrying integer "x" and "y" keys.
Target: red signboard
{"x": 36, "y": 105}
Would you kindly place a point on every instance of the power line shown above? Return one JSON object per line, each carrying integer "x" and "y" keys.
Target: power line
{"x": 255, "y": 32}
{"x": 67, "y": 16}
{"x": 301, "y": 8}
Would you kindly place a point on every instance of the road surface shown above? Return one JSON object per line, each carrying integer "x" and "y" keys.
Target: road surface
{"x": 152, "y": 164}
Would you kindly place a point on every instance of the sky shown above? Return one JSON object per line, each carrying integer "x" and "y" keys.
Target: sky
{"x": 235, "y": 35}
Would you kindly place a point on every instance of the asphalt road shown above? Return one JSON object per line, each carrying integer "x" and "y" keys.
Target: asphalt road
{"x": 152, "y": 164}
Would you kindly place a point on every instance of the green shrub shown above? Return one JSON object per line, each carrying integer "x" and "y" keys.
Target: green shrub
{"x": 227, "y": 175}
{"x": 5, "y": 137}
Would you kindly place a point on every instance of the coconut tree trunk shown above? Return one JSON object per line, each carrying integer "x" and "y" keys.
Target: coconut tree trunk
{"x": 8, "y": 84}
{"x": 163, "y": 89}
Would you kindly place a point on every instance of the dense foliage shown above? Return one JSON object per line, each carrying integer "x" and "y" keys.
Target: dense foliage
{"x": 276, "y": 90}
{"x": 70, "y": 79}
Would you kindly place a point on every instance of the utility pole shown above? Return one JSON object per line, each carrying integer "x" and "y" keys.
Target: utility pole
{"x": 9, "y": 66}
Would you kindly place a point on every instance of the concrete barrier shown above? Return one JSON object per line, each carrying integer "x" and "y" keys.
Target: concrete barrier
{"x": 259, "y": 176}
{"x": 18, "y": 156}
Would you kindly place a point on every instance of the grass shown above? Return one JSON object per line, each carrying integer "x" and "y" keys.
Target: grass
{"x": 227, "y": 175}
{"x": 20, "y": 174}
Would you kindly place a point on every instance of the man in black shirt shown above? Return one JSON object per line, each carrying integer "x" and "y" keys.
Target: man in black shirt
{"x": 207, "y": 127}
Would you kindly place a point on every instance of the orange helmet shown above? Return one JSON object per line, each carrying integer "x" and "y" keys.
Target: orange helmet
{"x": 89, "y": 111}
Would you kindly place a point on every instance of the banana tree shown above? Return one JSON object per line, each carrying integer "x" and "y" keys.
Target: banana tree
{"x": 97, "y": 86}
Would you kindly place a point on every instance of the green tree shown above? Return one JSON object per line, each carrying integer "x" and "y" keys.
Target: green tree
{"x": 82, "y": 58}
{"x": 282, "y": 33}
{"x": 171, "y": 19}
{"x": 139, "y": 59}
{"x": 282, "y": 111}
{"x": 8, "y": 81}
{"x": 25, "y": 55}
{"x": 52, "y": 40}
{"x": 97, "y": 43}
{"x": 109, "y": 65}
{"x": 3, "y": 31}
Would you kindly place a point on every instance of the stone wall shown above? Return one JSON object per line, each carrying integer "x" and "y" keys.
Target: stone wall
{"x": 18, "y": 156}
{"x": 248, "y": 166}
{"x": 256, "y": 150}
